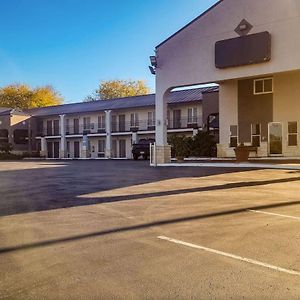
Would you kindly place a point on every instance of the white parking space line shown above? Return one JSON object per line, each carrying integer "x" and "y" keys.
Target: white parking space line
{"x": 236, "y": 257}
{"x": 274, "y": 214}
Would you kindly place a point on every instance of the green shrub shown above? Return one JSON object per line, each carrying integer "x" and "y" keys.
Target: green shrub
{"x": 33, "y": 154}
{"x": 10, "y": 156}
{"x": 5, "y": 147}
{"x": 179, "y": 146}
{"x": 203, "y": 145}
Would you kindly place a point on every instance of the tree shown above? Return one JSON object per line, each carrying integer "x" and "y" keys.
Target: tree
{"x": 22, "y": 96}
{"x": 112, "y": 89}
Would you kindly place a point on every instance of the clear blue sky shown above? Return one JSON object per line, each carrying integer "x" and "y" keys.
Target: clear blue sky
{"x": 74, "y": 44}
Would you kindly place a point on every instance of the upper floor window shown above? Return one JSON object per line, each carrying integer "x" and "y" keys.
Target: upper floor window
{"x": 263, "y": 86}
{"x": 151, "y": 118}
{"x": 76, "y": 126}
{"x": 134, "y": 120}
{"x": 114, "y": 123}
{"x": 101, "y": 122}
{"x": 292, "y": 134}
{"x": 67, "y": 126}
{"x": 56, "y": 127}
{"x": 49, "y": 127}
{"x": 86, "y": 123}
{"x": 192, "y": 115}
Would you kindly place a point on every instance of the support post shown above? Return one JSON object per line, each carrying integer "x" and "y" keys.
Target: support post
{"x": 62, "y": 152}
{"x": 108, "y": 140}
{"x": 43, "y": 147}
{"x": 162, "y": 149}
{"x": 84, "y": 150}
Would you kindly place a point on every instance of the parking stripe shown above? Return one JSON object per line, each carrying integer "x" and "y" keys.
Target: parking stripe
{"x": 236, "y": 257}
{"x": 274, "y": 214}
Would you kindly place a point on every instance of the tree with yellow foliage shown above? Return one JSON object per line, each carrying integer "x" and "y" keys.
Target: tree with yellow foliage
{"x": 112, "y": 89}
{"x": 22, "y": 96}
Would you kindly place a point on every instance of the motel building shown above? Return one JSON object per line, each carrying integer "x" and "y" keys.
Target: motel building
{"x": 105, "y": 128}
{"x": 251, "y": 49}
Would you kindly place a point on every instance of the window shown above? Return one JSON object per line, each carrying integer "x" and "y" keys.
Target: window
{"x": 151, "y": 118}
{"x": 134, "y": 120}
{"x": 292, "y": 134}
{"x": 56, "y": 127}
{"x": 122, "y": 124}
{"x": 67, "y": 126}
{"x": 263, "y": 86}
{"x": 49, "y": 127}
{"x": 192, "y": 115}
{"x": 21, "y": 136}
{"x": 86, "y": 123}
{"x": 255, "y": 134}
{"x": 101, "y": 148}
{"x": 101, "y": 122}
{"x": 114, "y": 123}
{"x": 3, "y": 136}
{"x": 68, "y": 149}
{"x": 233, "y": 136}
{"x": 176, "y": 118}
{"x": 76, "y": 126}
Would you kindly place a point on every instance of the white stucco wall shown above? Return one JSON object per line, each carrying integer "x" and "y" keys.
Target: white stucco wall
{"x": 188, "y": 57}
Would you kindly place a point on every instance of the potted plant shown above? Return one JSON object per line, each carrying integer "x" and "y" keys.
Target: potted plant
{"x": 242, "y": 152}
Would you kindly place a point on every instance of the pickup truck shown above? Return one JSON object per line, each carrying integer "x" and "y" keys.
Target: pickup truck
{"x": 142, "y": 148}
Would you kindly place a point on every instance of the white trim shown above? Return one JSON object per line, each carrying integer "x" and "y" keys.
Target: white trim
{"x": 233, "y": 165}
{"x": 74, "y": 136}
{"x": 53, "y": 137}
{"x": 121, "y": 133}
{"x": 233, "y": 256}
{"x": 263, "y": 81}
{"x": 181, "y": 130}
{"x": 274, "y": 214}
{"x": 296, "y": 134}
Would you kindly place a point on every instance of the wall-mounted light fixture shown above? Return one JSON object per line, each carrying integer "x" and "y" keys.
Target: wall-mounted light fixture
{"x": 152, "y": 70}
{"x": 153, "y": 62}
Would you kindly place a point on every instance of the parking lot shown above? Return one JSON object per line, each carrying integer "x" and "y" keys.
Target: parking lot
{"x": 123, "y": 230}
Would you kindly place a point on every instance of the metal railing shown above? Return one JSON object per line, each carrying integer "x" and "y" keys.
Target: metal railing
{"x": 50, "y": 131}
{"x": 81, "y": 129}
{"x": 127, "y": 126}
{"x": 184, "y": 122}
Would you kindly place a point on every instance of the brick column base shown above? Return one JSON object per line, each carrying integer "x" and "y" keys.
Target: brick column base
{"x": 163, "y": 154}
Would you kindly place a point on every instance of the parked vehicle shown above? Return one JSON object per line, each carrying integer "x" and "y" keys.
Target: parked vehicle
{"x": 142, "y": 148}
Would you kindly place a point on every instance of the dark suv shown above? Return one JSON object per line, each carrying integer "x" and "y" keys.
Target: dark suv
{"x": 142, "y": 148}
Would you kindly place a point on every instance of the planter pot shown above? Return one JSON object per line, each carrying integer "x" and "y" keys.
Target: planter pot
{"x": 242, "y": 154}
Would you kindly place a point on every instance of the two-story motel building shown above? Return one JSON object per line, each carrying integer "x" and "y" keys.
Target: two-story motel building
{"x": 104, "y": 128}
{"x": 252, "y": 50}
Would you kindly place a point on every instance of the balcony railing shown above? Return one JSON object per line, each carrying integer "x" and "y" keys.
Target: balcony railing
{"x": 49, "y": 131}
{"x": 127, "y": 126}
{"x": 88, "y": 129}
{"x": 184, "y": 122}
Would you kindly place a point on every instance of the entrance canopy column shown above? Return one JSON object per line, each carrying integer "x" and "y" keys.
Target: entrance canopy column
{"x": 163, "y": 150}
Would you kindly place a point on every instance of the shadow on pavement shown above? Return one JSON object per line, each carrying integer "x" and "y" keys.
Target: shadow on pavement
{"x": 142, "y": 226}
